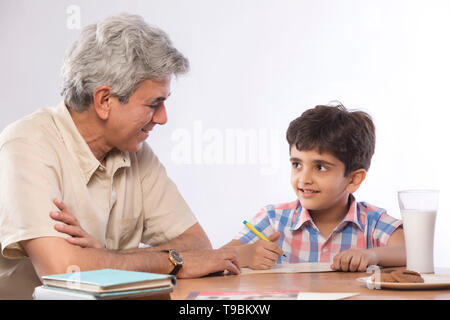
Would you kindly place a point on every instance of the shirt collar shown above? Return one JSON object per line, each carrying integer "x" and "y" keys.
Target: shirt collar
{"x": 302, "y": 216}
{"x": 353, "y": 215}
{"x": 80, "y": 150}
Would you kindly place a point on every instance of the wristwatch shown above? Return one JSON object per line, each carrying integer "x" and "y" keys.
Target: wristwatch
{"x": 176, "y": 260}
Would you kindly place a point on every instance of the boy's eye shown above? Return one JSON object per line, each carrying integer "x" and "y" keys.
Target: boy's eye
{"x": 321, "y": 168}
{"x": 295, "y": 165}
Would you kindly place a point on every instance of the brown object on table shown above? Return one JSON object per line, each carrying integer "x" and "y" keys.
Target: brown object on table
{"x": 386, "y": 276}
{"x": 399, "y": 276}
{"x": 407, "y": 276}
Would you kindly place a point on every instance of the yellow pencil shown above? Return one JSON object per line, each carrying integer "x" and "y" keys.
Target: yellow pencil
{"x": 259, "y": 234}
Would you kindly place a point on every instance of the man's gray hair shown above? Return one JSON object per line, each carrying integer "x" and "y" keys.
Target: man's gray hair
{"x": 121, "y": 52}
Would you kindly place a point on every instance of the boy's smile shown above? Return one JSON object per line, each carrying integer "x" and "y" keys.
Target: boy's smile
{"x": 308, "y": 193}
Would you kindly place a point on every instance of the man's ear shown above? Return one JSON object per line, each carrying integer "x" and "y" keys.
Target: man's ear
{"x": 355, "y": 179}
{"x": 102, "y": 101}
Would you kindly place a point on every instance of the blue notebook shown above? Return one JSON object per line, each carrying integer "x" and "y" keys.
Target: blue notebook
{"x": 109, "y": 280}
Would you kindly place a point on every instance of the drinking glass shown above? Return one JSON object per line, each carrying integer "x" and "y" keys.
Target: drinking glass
{"x": 418, "y": 209}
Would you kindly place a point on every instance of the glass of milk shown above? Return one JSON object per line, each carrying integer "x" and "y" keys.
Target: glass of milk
{"x": 418, "y": 209}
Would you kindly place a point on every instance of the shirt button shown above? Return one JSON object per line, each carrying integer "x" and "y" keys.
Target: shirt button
{"x": 325, "y": 250}
{"x": 101, "y": 169}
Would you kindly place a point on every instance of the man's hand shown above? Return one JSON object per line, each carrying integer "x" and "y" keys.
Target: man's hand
{"x": 354, "y": 260}
{"x": 262, "y": 254}
{"x": 203, "y": 262}
{"x": 73, "y": 228}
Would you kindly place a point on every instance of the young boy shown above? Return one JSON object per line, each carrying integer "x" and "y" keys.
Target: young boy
{"x": 330, "y": 152}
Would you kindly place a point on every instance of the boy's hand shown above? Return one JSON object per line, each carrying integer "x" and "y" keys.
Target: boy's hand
{"x": 354, "y": 260}
{"x": 263, "y": 254}
{"x": 73, "y": 228}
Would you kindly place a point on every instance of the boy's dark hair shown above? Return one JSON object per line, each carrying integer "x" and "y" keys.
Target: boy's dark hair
{"x": 348, "y": 135}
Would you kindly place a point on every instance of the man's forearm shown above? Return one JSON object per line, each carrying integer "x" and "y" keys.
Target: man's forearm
{"x": 194, "y": 238}
{"x": 66, "y": 257}
{"x": 140, "y": 260}
{"x": 177, "y": 244}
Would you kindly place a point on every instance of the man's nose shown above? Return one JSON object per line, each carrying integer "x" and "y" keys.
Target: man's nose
{"x": 160, "y": 115}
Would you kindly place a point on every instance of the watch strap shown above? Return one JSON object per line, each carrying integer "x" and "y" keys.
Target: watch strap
{"x": 175, "y": 269}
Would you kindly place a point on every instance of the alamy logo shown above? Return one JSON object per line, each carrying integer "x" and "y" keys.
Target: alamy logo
{"x": 373, "y": 282}
{"x": 74, "y": 17}
{"x": 202, "y": 146}
{"x": 74, "y": 279}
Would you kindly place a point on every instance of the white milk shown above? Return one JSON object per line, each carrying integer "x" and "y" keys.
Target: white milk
{"x": 418, "y": 227}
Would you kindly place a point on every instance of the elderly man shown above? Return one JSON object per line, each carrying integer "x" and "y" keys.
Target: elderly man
{"x": 87, "y": 158}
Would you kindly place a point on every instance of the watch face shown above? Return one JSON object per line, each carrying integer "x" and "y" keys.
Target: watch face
{"x": 176, "y": 256}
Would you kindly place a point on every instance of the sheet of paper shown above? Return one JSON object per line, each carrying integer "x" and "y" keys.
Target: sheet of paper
{"x": 325, "y": 295}
{"x": 245, "y": 295}
{"x": 293, "y": 268}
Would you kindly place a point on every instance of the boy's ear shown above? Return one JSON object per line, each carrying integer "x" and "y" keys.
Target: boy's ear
{"x": 102, "y": 101}
{"x": 355, "y": 179}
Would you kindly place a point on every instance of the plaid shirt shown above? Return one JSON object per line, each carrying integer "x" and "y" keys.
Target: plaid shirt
{"x": 364, "y": 226}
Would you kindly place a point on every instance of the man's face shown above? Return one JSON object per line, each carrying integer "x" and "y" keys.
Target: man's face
{"x": 129, "y": 124}
{"x": 318, "y": 179}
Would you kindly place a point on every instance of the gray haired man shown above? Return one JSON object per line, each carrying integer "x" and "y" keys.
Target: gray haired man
{"x": 87, "y": 160}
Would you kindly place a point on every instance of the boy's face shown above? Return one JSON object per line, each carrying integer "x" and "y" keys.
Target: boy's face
{"x": 318, "y": 179}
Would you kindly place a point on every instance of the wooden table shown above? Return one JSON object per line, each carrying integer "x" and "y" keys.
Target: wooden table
{"x": 316, "y": 282}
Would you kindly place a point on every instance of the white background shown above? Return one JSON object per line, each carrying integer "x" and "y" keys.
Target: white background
{"x": 255, "y": 66}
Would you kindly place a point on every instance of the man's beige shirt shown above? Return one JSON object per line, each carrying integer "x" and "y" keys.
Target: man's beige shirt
{"x": 43, "y": 156}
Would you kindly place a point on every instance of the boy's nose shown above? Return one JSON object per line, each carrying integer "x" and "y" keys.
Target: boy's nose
{"x": 305, "y": 178}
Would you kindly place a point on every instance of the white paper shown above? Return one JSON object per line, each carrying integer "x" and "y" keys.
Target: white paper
{"x": 293, "y": 268}
{"x": 325, "y": 295}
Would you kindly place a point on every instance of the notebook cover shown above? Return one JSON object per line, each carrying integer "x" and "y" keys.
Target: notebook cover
{"x": 108, "y": 277}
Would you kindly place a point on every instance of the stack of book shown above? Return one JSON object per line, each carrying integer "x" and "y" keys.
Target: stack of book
{"x": 105, "y": 284}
